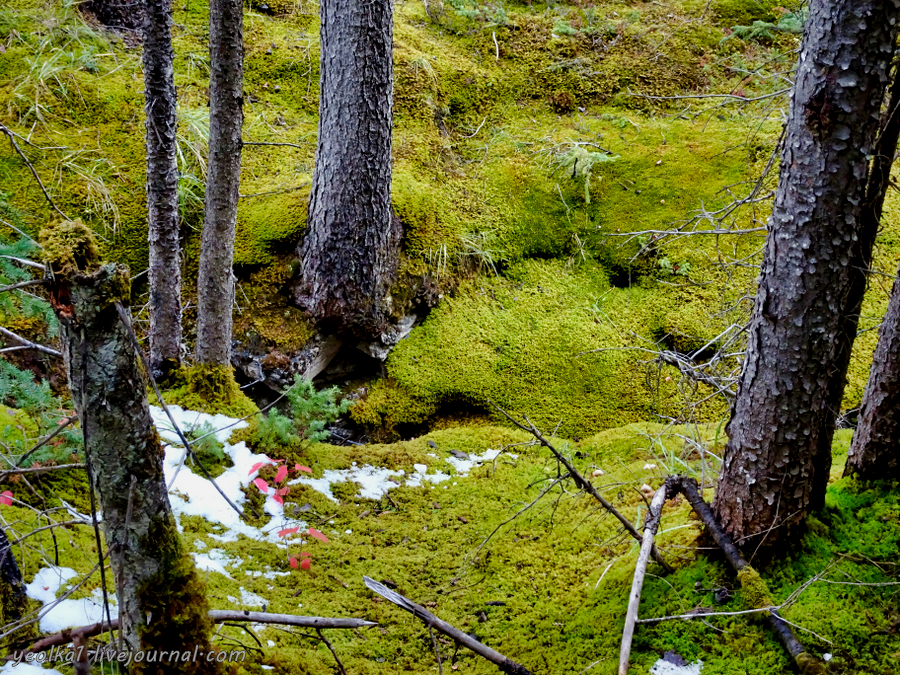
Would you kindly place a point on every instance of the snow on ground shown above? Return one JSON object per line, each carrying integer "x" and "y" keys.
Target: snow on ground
{"x": 663, "y": 667}
{"x": 67, "y": 613}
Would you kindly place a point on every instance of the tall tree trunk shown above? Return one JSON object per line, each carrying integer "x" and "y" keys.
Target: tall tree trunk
{"x": 349, "y": 254}
{"x": 161, "y": 599}
{"x": 215, "y": 282}
{"x": 162, "y": 188}
{"x": 875, "y": 450}
{"x": 773, "y": 458}
{"x": 877, "y": 184}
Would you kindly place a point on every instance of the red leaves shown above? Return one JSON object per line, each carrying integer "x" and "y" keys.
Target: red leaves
{"x": 262, "y": 485}
{"x": 305, "y": 563}
{"x": 300, "y": 467}
{"x": 293, "y": 562}
{"x": 281, "y": 474}
{"x": 318, "y": 535}
{"x": 6, "y": 498}
{"x": 288, "y": 530}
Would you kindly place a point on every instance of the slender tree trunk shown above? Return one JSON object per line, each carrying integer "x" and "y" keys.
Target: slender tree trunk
{"x": 875, "y": 450}
{"x": 215, "y": 282}
{"x": 870, "y": 220}
{"x": 778, "y": 425}
{"x": 162, "y": 188}
{"x": 349, "y": 253}
{"x": 161, "y": 599}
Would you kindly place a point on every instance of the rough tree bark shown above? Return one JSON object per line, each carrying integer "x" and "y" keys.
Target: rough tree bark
{"x": 874, "y": 452}
{"x": 215, "y": 282}
{"x": 773, "y": 460}
{"x": 162, "y": 601}
{"x": 349, "y": 254}
{"x": 877, "y": 184}
{"x": 162, "y": 188}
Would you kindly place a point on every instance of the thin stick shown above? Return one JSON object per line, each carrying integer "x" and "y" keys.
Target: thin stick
{"x": 123, "y": 546}
{"x": 437, "y": 650}
{"x": 28, "y": 343}
{"x": 640, "y": 570}
{"x": 49, "y": 438}
{"x": 24, "y": 284}
{"x": 584, "y": 484}
{"x": 137, "y": 347}
{"x": 331, "y": 649}
{"x": 288, "y": 145}
{"x": 39, "y": 469}
{"x": 505, "y": 664}
{"x": 21, "y": 154}
{"x": 216, "y": 615}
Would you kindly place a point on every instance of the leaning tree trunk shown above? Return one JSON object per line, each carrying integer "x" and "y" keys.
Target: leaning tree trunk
{"x": 215, "y": 283}
{"x": 875, "y": 450}
{"x": 162, "y": 189}
{"x": 161, "y": 598}
{"x": 772, "y": 460}
{"x": 349, "y": 254}
{"x": 877, "y": 184}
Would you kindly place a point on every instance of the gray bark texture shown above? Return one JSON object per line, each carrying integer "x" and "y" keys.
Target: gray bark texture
{"x": 215, "y": 281}
{"x": 162, "y": 189}
{"x": 349, "y": 253}
{"x": 161, "y": 601}
{"x": 776, "y": 464}
{"x": 875, "y": 450}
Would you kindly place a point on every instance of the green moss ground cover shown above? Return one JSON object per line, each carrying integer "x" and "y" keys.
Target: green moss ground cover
{"x": 562, "y": 570}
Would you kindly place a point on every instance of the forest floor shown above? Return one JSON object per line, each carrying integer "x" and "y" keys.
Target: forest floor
{"x": 532, "y": 140}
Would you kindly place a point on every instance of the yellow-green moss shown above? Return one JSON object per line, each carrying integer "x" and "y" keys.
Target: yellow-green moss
{"x": 69, "y": 247}
{"x": 211, "y": 389}
{"x": 756, "y": 591}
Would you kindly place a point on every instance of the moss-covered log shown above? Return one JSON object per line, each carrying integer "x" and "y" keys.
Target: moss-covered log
{"x": 161, "y": 599}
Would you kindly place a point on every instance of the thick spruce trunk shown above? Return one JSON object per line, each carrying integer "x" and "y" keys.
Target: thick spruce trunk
{"x": 161, "y": 599}
{"x": 870, "y": 220}
{"x": 349, "y": 253}
{"x": 773, "y": 460}
{"x": 162, "y": 189}
{"x": 215, "y": 281}
{"x": 875, "y": 450}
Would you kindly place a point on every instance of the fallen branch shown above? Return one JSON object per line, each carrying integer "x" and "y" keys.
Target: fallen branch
{"x": 583, "y": 483}
{"x": 755, "y": 588}
{"x": 651, "y": 524}
{"x": 217, "y": 616}
{"x": 28, "y": 343}
{"x": 24, "y": 261}
{"x": 430, "y": 620}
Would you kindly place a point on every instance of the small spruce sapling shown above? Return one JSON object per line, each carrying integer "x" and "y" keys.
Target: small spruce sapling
{"x": 310, "y": 412}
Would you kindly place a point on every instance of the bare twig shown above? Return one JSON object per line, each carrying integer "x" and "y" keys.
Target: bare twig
{"x": 331, "y": 649}
{"x": 583, "y": 483}
{"x": 430, "y": 620}
{"x": 640, "y": 569}
{"x": 30, "y": 166}
{"x": 217, "y": 616}
{"x": 24, "y": 284}
{"x": 47, "y": 439}
{"x": 39, "y": 470}
{"x": 28, "y": 343}
{"x": 26, "y": 262}
{"x": 123, "y": 316}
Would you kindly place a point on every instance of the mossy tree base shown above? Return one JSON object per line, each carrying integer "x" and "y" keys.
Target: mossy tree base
{"x": 213, "y": 390}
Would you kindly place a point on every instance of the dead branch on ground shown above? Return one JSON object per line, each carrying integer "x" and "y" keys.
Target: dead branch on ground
{"x": 430, "y": 620}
